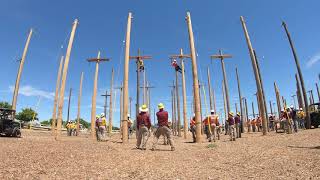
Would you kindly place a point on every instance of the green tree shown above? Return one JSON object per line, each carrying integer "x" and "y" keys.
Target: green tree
{"x": 46, "y": 123}
{"x": 84, "y": 123}
{"x": 27, "y": 115}
{"x": 4, "y": 104}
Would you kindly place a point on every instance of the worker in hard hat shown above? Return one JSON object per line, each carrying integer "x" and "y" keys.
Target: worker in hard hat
{"x": 143, "y": 127}
{"x": 193, "y": 127}
{"x": 215, "y": 125}
{"x": 301, "y": 117}
{"x": 163, "y": 128}
{"x": 237, "y": 121}
{"x": 294, "y": 117}
{"x": 176, "y": 66}
{"x": 73, "y": 128}
{"x": 102, "y": 127}
{"x": 129, "y": 126}
{"x": 69, "y": 128}
{"x": 231, "y": 123}
{"x": 97, "y": 127}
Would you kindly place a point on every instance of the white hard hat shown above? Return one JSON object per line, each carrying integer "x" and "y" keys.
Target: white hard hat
{"x": 128, "y": 115}
{"x": 102, "y": 114}
{"x": 300, "y": 109}
{"x": 194, "y": 114}
{"x": 212, "y": 111}
{"x": 291, "y": 106}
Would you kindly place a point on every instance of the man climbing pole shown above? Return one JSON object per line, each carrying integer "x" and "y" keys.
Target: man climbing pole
{"x": 163, "y": 127}
{"x": 176, "y": 66}
{"x": 141, "y": 65}
{"x": 143, "y": 127}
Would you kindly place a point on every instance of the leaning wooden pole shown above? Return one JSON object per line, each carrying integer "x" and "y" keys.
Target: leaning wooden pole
{"x": 79, "y": 104}
{"x": 69, "y": 101}
{"x": 56, "y": 95}
{"x": 240, "y": 99}
{"x": 110, "y": 105}
{"x": 178, "y": 105}
{"x": 276, "y": 90}
{"x": 125, "y": 83}
{"x": 263, "y": 95}
{"x": 299, "y": 94}
{"x": 94, "y": 99}
{"x": 16, "y": 87}
{"x": 257, "y": 77}
{"x": 64, "y": 78}
{"x": 304, "y": 92}
{"x": 195, "y": 79}
{"x": 184, "y": 93}
{"x": 214, "y": 100}
{"x": 210, "y": 90}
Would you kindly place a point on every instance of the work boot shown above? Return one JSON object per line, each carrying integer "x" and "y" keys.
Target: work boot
{"x": 172, "y": 148}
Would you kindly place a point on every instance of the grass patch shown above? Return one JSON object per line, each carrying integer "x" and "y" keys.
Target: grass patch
{"x": 211, "y": 145}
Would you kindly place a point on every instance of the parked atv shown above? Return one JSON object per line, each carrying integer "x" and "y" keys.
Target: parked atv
{"x": 8, "y": 126}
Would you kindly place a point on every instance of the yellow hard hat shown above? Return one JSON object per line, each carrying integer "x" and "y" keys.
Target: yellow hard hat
{"x": 97, "y": 116}
{"x": 160, "y": 106}
{"x": 231, "y": 113}
{"x": 144, "y": 108}
{"x": 238, "y": 113}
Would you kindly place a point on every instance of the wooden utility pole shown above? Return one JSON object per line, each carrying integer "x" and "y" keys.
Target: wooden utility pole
{"x": 271, "y": 110}
{"x": 214, "y": 100}
{"x": 210, "y": 90}
{"x": 146, "y": 95}
{"x": 247, "y": 114}
{"x": 224, "y": 101}
{"x": 56, "y": 95}
{"x": 172, "y": 111}
{"x": 181, "y": 56}
{"x": 278, "y": 99}
{"x": 130, "y": 101}
{"x": 64, "y": 78}
{"x": 304, "y": 92}
{"x": 69, "y": 100}
{"x": 299, "y": 94}
{"x": 174, "y": 120}
{"x": 195, "y": 79}
{"x": 111, "y": 103}
{"x": 125, "y": 84}
{"x": 225, "y": 81}
{"x": 106, "y": 95}
{"x": 79, "y": 104}
{"x": 294, "y": 101}
{"x": 121, "y": 105}
{"x": 311, "y": 97}
{"x": 94, "y": 95}
{"x": 254, "y": 115}
{"x": 139, "y": 58}
{"x": 16, "y": 87}
{"x": 200, "y": 100}
{"x": 240, "y": 99}
{"x": 257, "y": 77}
{"x": 263, "y": 95}
{"x": 318, "y": 92}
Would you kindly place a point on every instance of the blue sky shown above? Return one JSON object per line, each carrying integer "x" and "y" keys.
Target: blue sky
{"x": 159, "y": 29}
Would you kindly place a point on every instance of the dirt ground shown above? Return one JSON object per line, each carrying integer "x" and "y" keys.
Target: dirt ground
{"x": 276, "y": 156}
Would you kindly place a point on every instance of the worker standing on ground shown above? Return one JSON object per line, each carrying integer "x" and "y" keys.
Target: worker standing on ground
{"x": 97, "y": 127}
{"x": 231, "y": 127}
{"x": 69, "y": 128}
{"x": 301, "y": 117}
{"x": 215, "y": 126}
{"x": 73, "y": 128}
{"x": 237, "y": 124}
{"x": 143, "y": 127}
{"x": 102, "y": 126}
{"x": 129, "y": 126}
{"x": 293, "y": 115}
{"x": 193, "y": 127}
{"x": 163, "y": 127}
{"x": 259, "y": 124}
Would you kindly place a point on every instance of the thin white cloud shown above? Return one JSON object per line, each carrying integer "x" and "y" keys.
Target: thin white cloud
{"x": 31, "y": 91}
{"x": 314, "y": 59}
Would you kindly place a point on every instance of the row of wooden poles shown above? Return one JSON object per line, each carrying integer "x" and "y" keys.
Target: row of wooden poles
{"x": 63, "y": 70}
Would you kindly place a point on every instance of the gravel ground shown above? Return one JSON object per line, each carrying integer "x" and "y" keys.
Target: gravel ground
{"x": 276, "y": 156}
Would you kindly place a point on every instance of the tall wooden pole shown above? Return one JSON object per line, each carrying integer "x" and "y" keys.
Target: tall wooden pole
{"x": 110, "y": 105}
{"x": 79, "y": 104}
{"x": 263, "y": 95}
{"x": 56, "y": 95}
{"x": 254, "y": 115}
{"x": 94, "y": 96}
{"x": 225, "y": 81}
{"x": 174, "y": 110}
{"x": 299, "y": 94}
{"x": 16, "y": 87}
{"x": 271, "y": 110}
{"x": 304, "y": 92}
{"x": 144, "y": 88}
{"x": 294, "y": 101}
{"x": 64, "y": 78}
{"x": 278, "y": 99}
{"x": 200, "y": 100}
{"x": 257, "y": 77}
{"x": 178, "y": 105}
{"x": 318, "y": 92}
{"x": 224, "y": 101}
{"x": 106, "y": 95}
{"x": 240, "y": 99}
{"x": 125, "y": 84}
{"x": 121, "y": 108}
{"x": 181, "y": 56}
{"x": 69, "y": 100}
{"x": 247, "y": 114}
{"x": 210, "y": 90}
{"x": 184, "y": 93}
{"x": 195, "y": 79}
